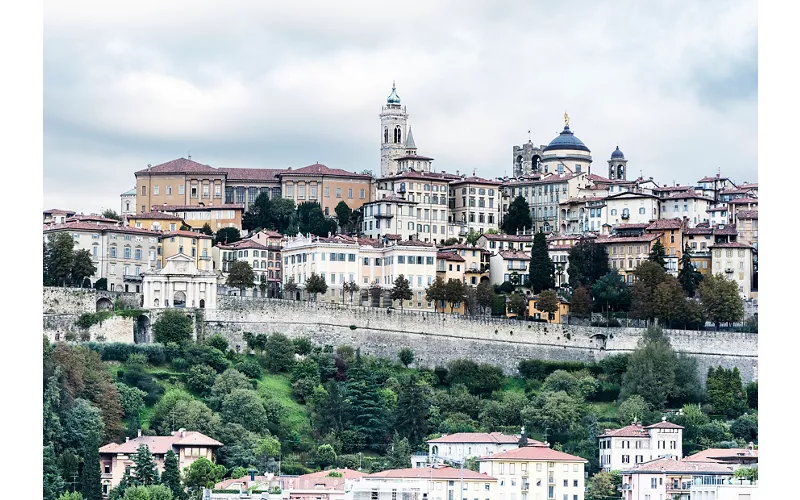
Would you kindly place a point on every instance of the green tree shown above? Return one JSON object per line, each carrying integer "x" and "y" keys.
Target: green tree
{"x": 202, "y": 473}
{"x": 101, "y": 284}
{"x": 518, "y": 216}
{"x": 312, "y": 220}
{"x": 399, "y": 455}
{"x": 746, "y": 428}
{"x": 610, "y": 292}
{"x": 326, "y": 455}
{"x": 257, "y": 216}
{"x": 648, "y": 276}
{"x": 366, "y": 406}
{"x": 74, "y": 495}
{"x": 472, "y": 237}
{"x": 227, "y": 235}
{"x": 581, "y": 302}
{"x": 52, "y": 481}
{"x": 484, "y": 295}
{"x": 541, "y": 275}
{"x": 173, "y": 326}
{"x": 725, "y": 392}
{"x": 82, "y": 267}
{"x": 351, "y": 288}
{"x": 557, "y": 411}
{"x": 548, "y": 301}
{"x": 454, "y": 292}
{"x": 401, "y": 290}
{"x": 413, "y": 408}
{"x": 244, "y": 407}
{"x": 436, "y": 292}
{"x": 111, "y": 214}
{"x": 171, "y": 478}
{"x": 518, "y": 304}
{"x": 315, "y": 284}
{"x": 290, "y": 288}
{"x": 262, "y": 284}
{"x": 752, "y": 395}
{"x": 240, "y": 275}
{"x": 668, "y": 300}
{"x": 132, "y": 400}
{"x": 266, "y": 451}
{"x": 90, "y": 473}
{"x": 406, "y": 356}
{"x": 200, "y": 379}
{"x": 206, "y": 229}
{"x": 601, "y": 487}
{"x": 688, "y": 276}
{"x": 720, "y": 300}
{"x": 83, "y": 421}
{"x": 651, "y": 370}
{"x": 218, "y": 341}
{"x": 588, "y": 262}
{"x": 283, "y": 215}
{"x": 59, "y": 258}
{"x": 343, "y": 214}
{"x": 658, "y": 254}
{"x": 144, "y": 467}
{"x": 634, "y": 408}
{"x": 747, "y": 473}
{"x": 279, "y": 351}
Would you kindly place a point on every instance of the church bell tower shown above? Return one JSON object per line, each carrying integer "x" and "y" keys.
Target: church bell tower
{"x": 394, "y": 120}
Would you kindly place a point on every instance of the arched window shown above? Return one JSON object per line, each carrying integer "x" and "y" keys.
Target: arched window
{"x": 127, "y": 206}
{"x": 620, "y": 172}
{"x": 397, "y": 134}
{"x": 385, "y": 134}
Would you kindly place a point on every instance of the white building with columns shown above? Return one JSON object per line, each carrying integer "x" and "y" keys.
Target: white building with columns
{"x": 180, "y": 284}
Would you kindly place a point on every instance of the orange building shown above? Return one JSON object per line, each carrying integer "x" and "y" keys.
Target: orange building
{"x": 672, "y": 240}
{"x": 156, "y": 221}
{"x": 327, "y": 186}
{"x": 216, "y": 216}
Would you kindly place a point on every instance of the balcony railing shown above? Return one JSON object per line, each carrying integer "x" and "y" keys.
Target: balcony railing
{"x": 131, "y": 277}
{"x": 383, "y": 216}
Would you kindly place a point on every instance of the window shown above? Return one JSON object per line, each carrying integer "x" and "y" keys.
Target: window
{"x": 338, "y": 192}
{"x": 180, "y": 189}
{"x": 653, "y": 483}
{"x": 361, "y": 194}
{"x": 350, "y": 192}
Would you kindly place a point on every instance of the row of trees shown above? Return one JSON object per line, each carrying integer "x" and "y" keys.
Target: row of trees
{"x": 281, "y": 214}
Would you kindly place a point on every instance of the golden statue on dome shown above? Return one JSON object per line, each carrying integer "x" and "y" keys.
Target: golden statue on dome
{"x": 566, "y": 119}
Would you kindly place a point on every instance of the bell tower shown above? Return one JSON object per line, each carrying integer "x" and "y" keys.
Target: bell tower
{"x": 394, "y": 120}
{"x": 617, "y": 166}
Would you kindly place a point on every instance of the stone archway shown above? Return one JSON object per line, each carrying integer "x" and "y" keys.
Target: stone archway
{"x": 141, "y": 331}
{"x": 104, "y": 304}
{"x": 179, "y": 299}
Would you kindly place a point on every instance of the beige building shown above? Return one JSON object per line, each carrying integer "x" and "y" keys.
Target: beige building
{"x": 156, "y": 221}
{"x": 509, "y": 265}
{"x": 432, "y": 483}
{"x": 196, "y": 216}
{"x": 178, "y": 182}
{"x": 179, "y": 283}
{"x": 625, "y": 253}
{"x": 497, "y": 242}
{"x": 194, "y": 245}
{"x": 187, "y": 445}
{"x": 536, "y": 473}
{"x": 735, "y": 262}
{"x": 392, "y": 215}
{"x": 476, "y": 262}
{"x": 668, "y": 478}
{"x": 327, "y": 186}
{"x": 57, "y": 216}
{"x": 747, "y": 227}
{"x": 265, "y": 259}
{"x": 475, "y": 205}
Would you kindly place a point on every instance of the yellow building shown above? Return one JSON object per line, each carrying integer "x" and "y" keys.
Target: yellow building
{"x": 216, "y": 216}
{"x": 553, "y": 317}
{"x": 747, "y": 226}
{"x": 156, "y": 221}
{"x": 536, "y": 473}
{"x": 195, "y": 245}
{"x": 476, "y": 262}
{"x": 625, "y": 253}
{"x": 326, "y": 186}
{"x": 672, "y": 240}
{"x": 450, "y": 266}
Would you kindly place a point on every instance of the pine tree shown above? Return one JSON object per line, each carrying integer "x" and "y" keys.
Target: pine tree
{"x": 401, "y": 290}
{"x": 366, "y": 410}
{"x": 91, "y": 488}
{"x": 171, "y": 478}
{"x": 52, "y": 403}
{"x": 412, "y": 411}
{"x": 119, "y": 491}
{"x": 399, "y": 455}
{"x": 52, "y": 481}
{"x": 518, "y": 216}
{"x": 541, "y": 275}
{"x": 688, "y": 276}
{"x": 658, "y": 254}
{"x": 144, "y": 467}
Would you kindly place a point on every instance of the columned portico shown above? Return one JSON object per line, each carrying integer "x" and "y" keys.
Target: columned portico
{"x": 180, "y": 276}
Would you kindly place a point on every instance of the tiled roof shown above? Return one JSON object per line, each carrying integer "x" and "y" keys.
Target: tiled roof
{"x": 686, "y": 195}
{"x": 415, "y": 243}
{"x": 476, "y": 180}
{"x": 711, "y": 179}
{"x": 714, "y": 454}
{"x": 743, "y": 201}
{"x": 535, "y": 453}
{"x": 188, "y": 234}
{"x": 672, "y": 188}
{"x": 633, "y": 430}
{"x": 156, "y": 215}
{"x": 583, "y": 199}
{"x": 513, "y": 254}
{"x": 227, "y": 483}
{"x": 181, "y": 166}
{"x": 253, "y": 174}
{"x": 664, "y": 425}
{"x": 267, "y": 233}
{"x": 450, "y": 256}
{"x": 91, "y": 218}
{"x": 476, "y": 437}
{"x": 672, "y": 466}
{"x": 242, "y": 245}
{"x": 391, "y": 199}
{"x": 58, "y": 211}
{"x": 346, "y": 474}
{"x": 733, "y": 244}
{"x": 628, "y": 227}
{"x": 633, "y": 195}
{"x": 413, "y": 157}
{"x": 161, "y": 444}
{"x": 197, "y": 208}
{"x": 429, "y": 473}
{"x": 320, "y": 169}
{"x": 646, "y": 237}
{"x": 435, "y": 176}
{"x": 664, "y": 224}
{"x": 717, "y": 208}
{"x": 728, "y": 229}
{"x": 93, "y": 226}
{"x": 508, "y": 237}
{"x": 690, "y": 231}
{"x": 464, "y": 246}
{"x": 747, "y": 214}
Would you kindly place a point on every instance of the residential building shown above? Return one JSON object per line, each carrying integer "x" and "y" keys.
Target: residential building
{"x": 451, "y": 266}
{"x": 667, "y": 191}
{"x": 431, "y": 483}
{"x": 735, "y": 262}
{"x": 327, "y": 186}
{"x": 686, "y": 205}
{"x": 496, "y": 242}
{"x": 625, "y": 253}
{"x": 57, "y": 216}
{"x": 463, "y": 445}
{"x": 156, "y": 221}
{"x": 738, "y": 457}
{"x": 474, "y": 206}
{"x": 544, "y": 193}
{"x": 734, "y": 489}
{"x": 395, "y": 215}
{"x": 509, "y": 265}
{"x": 747, "y": 227}
{"x": 536, "y": 473}
{"x": 476, "y": 261}
{"x": 264, "y": 259}
{"x": 178, "y": 182}
{"x": 672, "y": 230}
{"x": 668, "y": 478}
{"x": 415, "y": 260}
{"x": 196, "y": 216}
{"x": 179, "y": 283}
{"x": 119, "y": 253}
{"x": 738, "y": 204}
{"x": 267, "y": 237}
{"x": 635, "y": 444}
{"x": 554, "y": 317}
{"x": 94, "y": 219}
{"x": 632, "y": 208}
{"x": 127, "y": 202}
{"x": 318, "y": 485}
{"x": 718, "y": 214}
{"x": 197, "y": 246}
{"x": 711, "y": 186}
{"x": 699, "y": 239}
{"x": 115, "y": 458}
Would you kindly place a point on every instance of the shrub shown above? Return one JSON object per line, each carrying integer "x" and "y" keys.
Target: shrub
{"x": 86, "y": 320}
{"x": 303, "y": 388}
{"x": 303, "y": 346}
{"x": 173, "y": 326}
{"x": 294, "y": 468}
{"x": 441, "y": 374}
{"x": 250, "y": 367}
{"x": 200, "y": 379}
{"x": 180, "y": 364}
{"x": 279, "y": 351}
{"x": 218, "y": 342}
{"x": 306, "y": 368}
{"x": 201, "y": 354}
{"x": 539, "y": 369}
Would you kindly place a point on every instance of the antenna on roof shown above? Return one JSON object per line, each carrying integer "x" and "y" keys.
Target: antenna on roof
{"x": 190, "y": 154}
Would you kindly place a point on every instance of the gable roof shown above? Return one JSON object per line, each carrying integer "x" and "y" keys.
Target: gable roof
{"x": 644, "y": 238}
{"x": 181, "y": 166}
{"x": 155, "y": 216}
{"x": 535, "y": 453}
{"x": 197, "y": 208}
{"x": 672, "y": 466}
{"x": 428, "y": 473}
{"x": 477, "y": 437}
{"x": 664, "y": 224}
{"x": 161, "y": 444}
{"x": 253, "y": 174}
{"x": 320, "y": 169}
{"x": 633, "y": 430}
{"x": 513, "y": 254}
{"x": 747, "y": 214}
{"x": 722, "y": 454}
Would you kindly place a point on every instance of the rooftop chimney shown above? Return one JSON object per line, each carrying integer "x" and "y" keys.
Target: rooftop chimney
{"x": 182, "y": 432}
{"x": 139, "y": 433}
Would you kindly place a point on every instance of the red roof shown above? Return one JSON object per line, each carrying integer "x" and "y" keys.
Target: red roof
{"x": 697, "y": 231}
{"x": 320, "y": 169}
{"x": 477, "y": 437}
{"x": 646, "y": 237}
{"x": 92, "y": 218}
{"x": 664, "y": 425}
{"x": 435, "y": 176}
{"x": 463, "y": 246}
{"x": 346, "y": 474}
{"x": 672, "y": 466}
{"x": 180, "y": 166}
{"x": 732, "y": 244}
{"x": 743, "y": 201}
{"x": 673, "y": 188}
{"x": 161, "y": 444}
{"x": 686, "y": 194}
{"x": 429, "y": 473}
{"x": 155, "y": 215}
{"x": 508, "y": 237}
{"x": 198, "y": 208}
{"x": 58, "y": 211}
{"x": 94, "y": 226}
{"x": 633, "y": 430}
{"x": 475, "y": 180}
{"x": 747, "y": 214}
{"x": 721, "y": 454}
{"x": 535, "y": 453}
{"x": 253, "y": 174}
{"x": 449, "y": 256}
{"x": 664, "y": 224}
{"x": 624, "y": 227}
{"x": 188, "y": 234}
{"x": 243, "y": 245}
{"x": 513, "y": 254}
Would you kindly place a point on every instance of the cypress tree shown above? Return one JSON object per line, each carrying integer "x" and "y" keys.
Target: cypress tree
{"x": 688, "y": 276}
{"x": 53, "y": 483}
{"x": 171, "y": 478}
{"x": 91, "y": 488}
{"x": 411, "y": 414}
{"x": 366, "y": 404}
{"x": 541, "y": 269}
{"x": 658, "y": 254}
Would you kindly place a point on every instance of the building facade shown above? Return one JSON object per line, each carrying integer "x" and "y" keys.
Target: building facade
{"x": 668, "y": 478}
{"x": 474, "y": 206}
{"x": 327, "y": 186}
{"x": 216, "y": 216}
{"x": 180, "y": 284}
{"x": 635, "y": 444}
{"x": 735, "y": 262}
{"x": 536, "y": 473}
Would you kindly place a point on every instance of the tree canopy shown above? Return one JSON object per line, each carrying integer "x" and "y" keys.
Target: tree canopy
{"x": 240, "y": 275}
{"x": 518, "y": 216}
{"x": 541, "y": 275}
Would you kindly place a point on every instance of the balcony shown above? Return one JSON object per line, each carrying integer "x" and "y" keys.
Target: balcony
{"x": 204, "y": 257}
{"x": 131, "y": 277}
{"x": 729, "y": 270}
{"x": 383, "y": 216}
{"x": 625, "y": 216}
{"x": 525, "y": 486}
{"x": 106, "y": 475}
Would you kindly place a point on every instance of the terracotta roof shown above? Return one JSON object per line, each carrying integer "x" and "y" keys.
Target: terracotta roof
{"x": 415, "y": 243}
{"x": 475, "y": 180}
{"x": 628, "y": 227}
{"x": 559, "y": 247}
{"x": 269, "y": 233}
{"x": 689, "y": 231}
{"x": 91, "y": 218}
{"x": 664, "y": 224}
{"x": 320, "y": 169}
{"x": 743, "y": 201}
{"x": 747, "y": 214}
{"x": 155, "y": 216}
{"x": 714, "y": 454}
{"x": 161, "y": 444}
{"x": 583, "y": 199}
{"x": 664, "y": 425}
{"x": 728, "y": 229}
{"x": 188, "y": 234}
{"x": 391, "y": 198}
{"x": 508, "y": 237}
{"x": 672, "y": 466}
{"x": 685, "y": 195}
{"x": 198, "y": 208}
{"x": 227, "y": 483}
{"x": 673, "y": 188}
{"x": 598, "y": 178}
{"x": 749, "y": 185}
{"x": 513, "y": 254}
{"x": 428, "y": 472}
{"x": 732, "y": 244}
{"x": 476, "y": 437}
{"x": 253, "y": 174}
{"x": 535, "y": 453}
{"x": 393, "y": 236}
{"x": 346, "y": 474}
{"x": 180, "y": 166}
{"x": 435, "y": 176}
{"x": 242, "y": 245}
{"x": 94, "y": 226}
{"x": 633, "y": 430}
{"x": 449, "y": 256}
{"x": 717, "y": 208}
{"x": 709, "y": 179}
{"x": 463, "y": 246}
{"x": 58, "y": 211}
{"x": 646, "y": 237}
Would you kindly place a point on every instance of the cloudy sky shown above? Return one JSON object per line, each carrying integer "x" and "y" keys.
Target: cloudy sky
{"x": 273, "y": 85}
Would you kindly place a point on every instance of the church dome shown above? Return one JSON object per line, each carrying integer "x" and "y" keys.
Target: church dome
{"x": 393, "y": 97}
{"x": 617, "y": 154}
{"x": 566, "y": 140}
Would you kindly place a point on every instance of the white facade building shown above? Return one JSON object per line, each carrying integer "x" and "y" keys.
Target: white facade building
{"x": 391, "y": 215}
{"x": 127, "y": 202}
{"x": 634, "y": 444}
{"x": 734, "y": 261}
{"x": 475, "y": 205}
{"x": 180, "y": 284}
{"x": 686, "y": 205}
{"x": 631, "y": 208}
{"x": 666, "y": 478}
{"x": 462, "y": 445}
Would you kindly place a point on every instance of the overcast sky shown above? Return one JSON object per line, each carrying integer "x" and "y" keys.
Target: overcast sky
{"x": 268, "y": 84}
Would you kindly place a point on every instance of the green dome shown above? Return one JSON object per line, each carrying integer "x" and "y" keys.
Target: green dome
{"x": 393, "y": 97}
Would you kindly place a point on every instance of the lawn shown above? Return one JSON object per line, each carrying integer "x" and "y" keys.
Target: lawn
{"x": 279, "y": 387}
